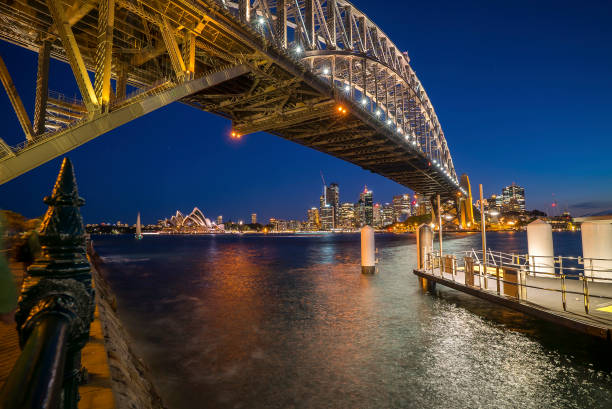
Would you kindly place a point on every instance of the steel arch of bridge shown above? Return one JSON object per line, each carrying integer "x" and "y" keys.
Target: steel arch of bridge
{"x": 274, "y": 65}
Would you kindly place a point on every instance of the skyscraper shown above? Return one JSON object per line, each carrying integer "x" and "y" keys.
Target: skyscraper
{"x": 365, "y": 198}
{"x": 327, "y": 217}
{"x": 253, "y": 218}
{"x": 377, "y": 216}
{"x": 347, "y": 216}
{"x": 388, "y": 214}
{"x": 332, "y": 193}
{"x": 513, "y": 198}
{"x": 219, "y": 220}
{"x": 314, "y": 222}
{"x": 401, "y": 208}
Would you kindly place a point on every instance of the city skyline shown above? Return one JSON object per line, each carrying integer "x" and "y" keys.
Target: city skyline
{"x": 156, "y": 174}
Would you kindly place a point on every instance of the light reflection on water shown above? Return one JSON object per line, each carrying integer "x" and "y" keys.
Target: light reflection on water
{"x": 290, "y": 322}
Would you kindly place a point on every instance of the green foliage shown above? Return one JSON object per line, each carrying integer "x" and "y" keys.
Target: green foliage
{"x": 418, "y": 220}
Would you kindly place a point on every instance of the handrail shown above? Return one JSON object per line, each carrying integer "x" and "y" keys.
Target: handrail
{"x": 555, "y": 268}
{"x": 37, "y": 378}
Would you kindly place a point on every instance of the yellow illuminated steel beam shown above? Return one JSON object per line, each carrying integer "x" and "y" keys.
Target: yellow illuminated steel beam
{"x": 13, "y": 165}
{"x": 74, "y": 55}
{"x": 22, "y": 115}
{"x": 42, "y": 87}
{"x": 6, "y": 149}
{"x": 173, "y": 49}
{"x": 189, "y": 52}
{"x": 106, "y": 19}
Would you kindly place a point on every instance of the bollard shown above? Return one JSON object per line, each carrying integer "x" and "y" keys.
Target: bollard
{"x": 597, "y": 249}
{"x": 424, "y": 249}
{"x": 368, "y": 252}
{"x": 540, "y": 245}
{"x": 424, "y": 244}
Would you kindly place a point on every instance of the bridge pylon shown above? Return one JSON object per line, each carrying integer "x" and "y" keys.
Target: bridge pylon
{"x": 466, "y": 208}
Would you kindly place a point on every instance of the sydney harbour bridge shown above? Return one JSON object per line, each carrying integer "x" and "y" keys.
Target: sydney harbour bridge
{"x": 317, "y": 72}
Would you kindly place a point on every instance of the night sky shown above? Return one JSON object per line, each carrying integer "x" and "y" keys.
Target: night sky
{"x": 523, "y": 91}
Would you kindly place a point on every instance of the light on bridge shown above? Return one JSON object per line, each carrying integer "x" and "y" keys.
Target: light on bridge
{"x": 325, "y": 70}
{"x": 341, "y": 109}
{"x": 298, "y": 49}
{"x": 347, "y": 88}
{"x": 378, "y": 112}
{"x": 235, "y": 135}
{"x": 261, "y": 20}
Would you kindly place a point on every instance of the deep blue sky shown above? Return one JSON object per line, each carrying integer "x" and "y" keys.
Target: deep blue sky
{"x": 523, "y": 90}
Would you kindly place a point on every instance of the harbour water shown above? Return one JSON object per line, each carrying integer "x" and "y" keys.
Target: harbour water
{"x": 258, "y": 321}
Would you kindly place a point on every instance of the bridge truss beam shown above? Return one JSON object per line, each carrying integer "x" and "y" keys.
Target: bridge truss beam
{"x": 303, "y": 57}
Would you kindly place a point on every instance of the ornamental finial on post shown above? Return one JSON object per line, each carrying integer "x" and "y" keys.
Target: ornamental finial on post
{"x": 59, "y": 280}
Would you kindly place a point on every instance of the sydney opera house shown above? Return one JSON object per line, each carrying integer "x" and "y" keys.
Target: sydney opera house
{"x": 195, "y": 222}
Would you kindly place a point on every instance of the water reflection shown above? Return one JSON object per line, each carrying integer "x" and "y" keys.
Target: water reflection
{"x": 290, "y": 322}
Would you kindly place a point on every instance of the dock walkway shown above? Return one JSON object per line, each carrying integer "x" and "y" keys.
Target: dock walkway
{"x": 540, "y": 297}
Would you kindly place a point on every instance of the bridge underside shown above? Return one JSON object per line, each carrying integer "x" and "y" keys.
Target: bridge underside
{"x": 163, "y": 48}
{"x": 291, "y": 109}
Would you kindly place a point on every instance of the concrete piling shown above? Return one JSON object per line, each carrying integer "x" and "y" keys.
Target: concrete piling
{"x": 368, "y": 250}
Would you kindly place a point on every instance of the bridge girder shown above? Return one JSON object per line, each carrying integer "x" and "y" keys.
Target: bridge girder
{"x": 288, "y": 92}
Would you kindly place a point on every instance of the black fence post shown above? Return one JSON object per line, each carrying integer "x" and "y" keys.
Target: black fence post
{"x": 55, "y": 307}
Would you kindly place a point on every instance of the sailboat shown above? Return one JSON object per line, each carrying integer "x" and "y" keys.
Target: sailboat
{"x": 138, "y": 228}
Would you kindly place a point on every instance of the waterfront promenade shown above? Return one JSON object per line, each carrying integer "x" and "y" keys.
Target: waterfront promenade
{"x": 539, "y": 296}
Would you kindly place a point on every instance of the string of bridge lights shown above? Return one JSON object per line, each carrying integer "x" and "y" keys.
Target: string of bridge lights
{"x": 297, "y": 49}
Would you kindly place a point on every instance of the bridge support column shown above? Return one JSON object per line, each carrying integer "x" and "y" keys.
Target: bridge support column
{"x": 281, "y": 23}
{"x": 42, "y": 88}
{"x": 13, "y": 95}
{"x": 368, "y": 250}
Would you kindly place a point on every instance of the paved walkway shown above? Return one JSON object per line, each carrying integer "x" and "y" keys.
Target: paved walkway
{"x": 542, "y": 296}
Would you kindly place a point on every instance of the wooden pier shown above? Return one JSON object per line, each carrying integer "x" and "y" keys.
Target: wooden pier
{"x": 587, "y": 311}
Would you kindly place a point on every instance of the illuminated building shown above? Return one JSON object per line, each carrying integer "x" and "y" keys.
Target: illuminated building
{"x": 347, "y": 216}
{"x": 253, "y": 218}
{"x": 365, "y": 198}
{"x": 401, "y": 208}
{"x": 332, "y": 194}
{"x": 377, "y": 215}
{"x": 388, "y": 214}
{"x": 327, "y": 217}
{"x": 294, "y": 225}
{"x": 513, "y": 198}
{"x": 422, "y": 205}
{"x": 219, "y": 219}
{"x": 195, "y": 222}
{"x": 314, "y": 223}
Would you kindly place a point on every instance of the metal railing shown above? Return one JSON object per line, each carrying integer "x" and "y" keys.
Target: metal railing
{"x": 514, "y": 274}
{"x": 55, "y": 310}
